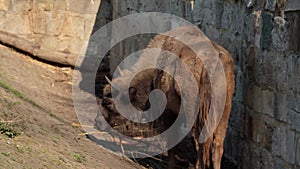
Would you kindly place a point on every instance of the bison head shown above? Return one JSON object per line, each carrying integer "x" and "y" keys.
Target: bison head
{"x": 133, "y": 100}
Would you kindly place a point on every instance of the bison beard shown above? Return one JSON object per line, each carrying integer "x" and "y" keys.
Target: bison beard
{"x": 209, "y": 154}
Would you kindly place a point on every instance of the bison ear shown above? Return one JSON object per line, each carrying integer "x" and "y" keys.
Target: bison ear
{"x": 132, "y": 91}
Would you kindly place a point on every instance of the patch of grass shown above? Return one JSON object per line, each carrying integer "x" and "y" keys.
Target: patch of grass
{"x": 13, "y": 104}
{"x": 5, "y": 114}
{"x": 56, "y": 129}
{"x": 55, "y": 139}
{"x": 5, "y": 154}
{"x": 19, "y": 94}
{"x": 8, "y": 130}
{"x": 25, "y": 98}
{"x": 14, "y": 91}
{"x": 79, "y": 158}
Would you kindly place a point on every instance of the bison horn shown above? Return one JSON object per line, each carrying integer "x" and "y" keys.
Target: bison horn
{"x": 108, "y": 80}
{"x": 111, "y": 83}
{"x": 120, "y": 71}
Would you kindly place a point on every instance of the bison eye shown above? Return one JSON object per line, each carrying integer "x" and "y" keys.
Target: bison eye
{"x": 132, "y": 91}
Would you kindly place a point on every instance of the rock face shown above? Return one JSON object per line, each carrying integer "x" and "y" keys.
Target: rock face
{"x": 54, "y": 30}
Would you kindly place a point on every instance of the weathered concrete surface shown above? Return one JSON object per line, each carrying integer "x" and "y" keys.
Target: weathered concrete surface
{"x": 56, "y": 29}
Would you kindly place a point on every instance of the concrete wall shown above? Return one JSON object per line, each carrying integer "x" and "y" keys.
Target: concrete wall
{"x": 263, "y": 38}
{"x": 54, "y": 30}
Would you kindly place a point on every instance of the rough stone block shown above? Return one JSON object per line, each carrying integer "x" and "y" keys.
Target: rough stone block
{"x": 43, "y": 5}
{"x": 259, "y": 130}
{"x": 60, "y": 5}
{"x": 280, "y": 37}
{"x": 49, "y": 42}
{"x": 17, "y": 24}
{"x": 48, "y": 23}
{"x": 4, "y": 5}
{"x": 298, "y": 151}
{"x": 257, "y": 99}
{"x": 250, "y": 97}
{"x": 2, "y": 19}
{"x": 292, "y": 5}
{"x": 279, "y": 136}
{"x": 88, "y": 27}
{"x": 39, "y": 22}
{"x": 267, "y": 27}
{"x": 74, "y": 27}
{"x": 281, "y": 164}
{"x": 83, "y": 6}
{"x": 297, "y": 77}
{"x": 231, "y": 144}
{"x": 294, "y": 29}
{"x": 267, "y": 72}
{"x": 227, "y": 16}
{"x": 252, "y": 29}
{"x": 290, "y": 154}
{"x": 294, "y": 119}
{"x": 266, "y": 160}
{"x": 268, "y": 103}
{"x": 20, "y": 6}
{"x": 284, "y": 144}
{"x": 270, "y": 5}
{"x": 64, "y": 43}
{"x": 239, "y": 92}
{"x": 293, "y": 73}
{"x": 281, "y": 109}
{"x": 280, "y": 73}
{"x": 294, "y": 102}
{"x": 76, "y": 46}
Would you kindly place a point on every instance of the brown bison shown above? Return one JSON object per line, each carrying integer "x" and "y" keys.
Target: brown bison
{"x": 209, "y": 154}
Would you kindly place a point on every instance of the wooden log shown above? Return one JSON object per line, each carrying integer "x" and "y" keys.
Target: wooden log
{"x": 68, "y": 59}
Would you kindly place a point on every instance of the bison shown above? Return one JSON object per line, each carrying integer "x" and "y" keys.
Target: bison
{"x": 209, "y": 154}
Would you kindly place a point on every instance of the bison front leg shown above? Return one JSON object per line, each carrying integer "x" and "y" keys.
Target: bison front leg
{"x": 171, "y": 158}
{"x": 168, "y": 118}
{"x": 197, "y": 148}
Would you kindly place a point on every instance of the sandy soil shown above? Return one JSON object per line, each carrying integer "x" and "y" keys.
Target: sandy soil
{"x": 36, "y": 101}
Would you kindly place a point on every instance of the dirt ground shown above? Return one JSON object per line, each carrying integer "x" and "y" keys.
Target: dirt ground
{"x": 36, "y": 105}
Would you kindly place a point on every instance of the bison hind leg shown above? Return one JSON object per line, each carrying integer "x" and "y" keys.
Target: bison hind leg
{"x": 217, "y": 152}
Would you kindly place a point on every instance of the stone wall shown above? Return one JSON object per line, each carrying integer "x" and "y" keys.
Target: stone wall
{"x": 54, "y": 30}
{"x": 138, "y": 42}
{"x": 263, "y": 38}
